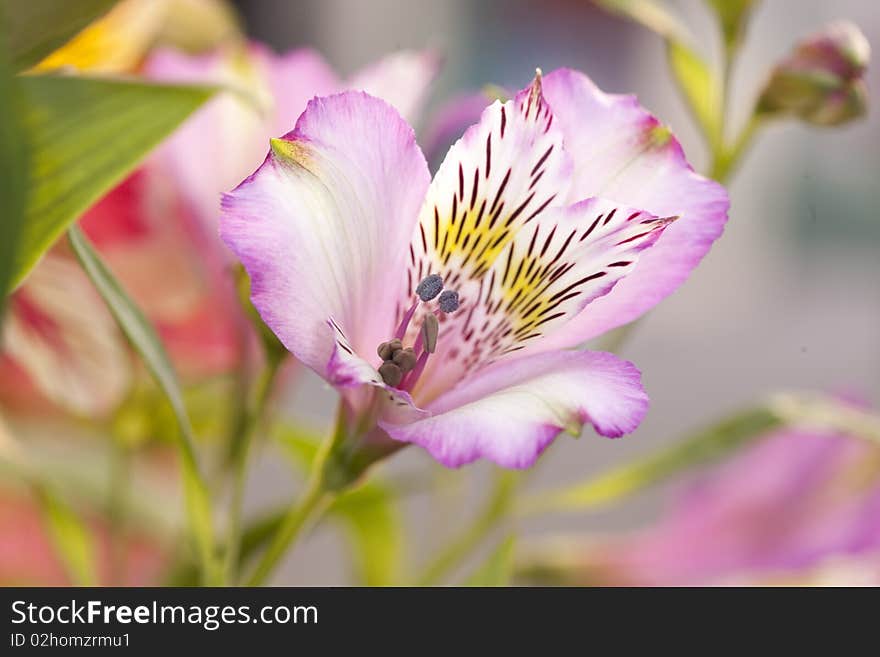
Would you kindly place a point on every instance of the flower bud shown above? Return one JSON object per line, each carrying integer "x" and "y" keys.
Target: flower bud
{"x": 822, "y": 81}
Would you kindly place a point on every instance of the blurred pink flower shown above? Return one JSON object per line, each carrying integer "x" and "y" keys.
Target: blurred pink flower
{"x": 796, "y": 506}
{"x": 28, "y": 558}
{"x": 61, "y": 347}
{"x": 158, "y": 230}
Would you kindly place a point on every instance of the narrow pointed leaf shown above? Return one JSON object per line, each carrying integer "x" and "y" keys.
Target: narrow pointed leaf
{"x": 650, "y": 14}
{"x": 700, "y": 87}
{"x": 146, "y": 342}
{"x": 70, "y": 537}
{"x": 732, "y": 17}
{"x": 35, "y": 28}
{"x": 13, "y": 164}
{"x": 84, "y": 136}
{"x": 704, "y": 447}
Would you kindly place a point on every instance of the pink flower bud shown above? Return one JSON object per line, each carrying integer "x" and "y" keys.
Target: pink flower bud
{"x": 822, "y": 81}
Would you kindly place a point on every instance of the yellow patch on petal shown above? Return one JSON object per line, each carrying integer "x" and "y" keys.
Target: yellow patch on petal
{"x": 291, "y": 152}
{"x": 115, "y": 43}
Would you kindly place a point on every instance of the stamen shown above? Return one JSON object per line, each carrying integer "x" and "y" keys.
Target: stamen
{"x": 405, "y": 359}
{"x": 429, "y": 287}
{"x": 448, "y": 301}
{"x": 413, "y": 376}
{"x": 404, "y": 323}
{"x": 387, "y": 350}
{"x": 391, "y": 373}
{"x": 429, "y": 333}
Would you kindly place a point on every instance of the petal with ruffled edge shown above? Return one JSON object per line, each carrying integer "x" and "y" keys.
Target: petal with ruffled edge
{"x": 623, "y": 153}
{"x": 402, "y": 78}
{"x": 511, "y": 412}
{"x": 323, "y": 226}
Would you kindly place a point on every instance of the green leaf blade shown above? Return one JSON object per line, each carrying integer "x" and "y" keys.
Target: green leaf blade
{"x": 144, "y": 339}
{"x": 85, "y": 135}
{"x": 706, "y": 446}
{"x": 13, "y": 163}
{"x": 70, "y": 537}
{"x": 35, "y": 28}
{"x": 701, "y": 89}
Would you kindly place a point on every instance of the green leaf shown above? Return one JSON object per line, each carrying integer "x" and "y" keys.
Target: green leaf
{"x": 732, "y": 17}
{"x": 650, "y": 14}
{"x": 701, "y": 89}
{"x": 13, "y": 164}
{"x": 497, "y": 569}
{"x": 705, "y": 446}
{"x": 146, "y": 342}
{"x": 34, "y": 28}
{"x": 85, "y": 135}
{"x": 371, "y": 518}
{"x": 71, "y": 538}
{"x": 369, "y": 515}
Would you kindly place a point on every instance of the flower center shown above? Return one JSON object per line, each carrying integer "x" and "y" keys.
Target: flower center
{"x": 402, "y": 366}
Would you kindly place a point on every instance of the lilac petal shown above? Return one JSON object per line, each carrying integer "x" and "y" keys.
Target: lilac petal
{"x": 623, "y": 153}
{"x": 510, "y": 412}
{"x": 323, "y": 226}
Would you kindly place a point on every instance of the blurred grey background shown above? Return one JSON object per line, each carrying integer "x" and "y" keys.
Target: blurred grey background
{"x": 788, "y": 298}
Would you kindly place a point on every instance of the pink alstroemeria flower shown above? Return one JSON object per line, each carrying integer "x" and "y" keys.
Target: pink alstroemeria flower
{"x": 791, "y": 508}
{"x": 549, "y": 222}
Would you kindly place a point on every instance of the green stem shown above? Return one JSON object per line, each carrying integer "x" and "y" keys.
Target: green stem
{"x": 241, "y": 460}
{"x": 324, "y": 486}
{"x": 117, "y": 503}
{"x": 725, "y": 161}
{"x": 467, "y": 541}
{"x": 315, "y": 501}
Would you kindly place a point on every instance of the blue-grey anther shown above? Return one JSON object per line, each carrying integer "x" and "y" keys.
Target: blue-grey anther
{"x": 429, "y": 287}
{"x": 448, "y": 301}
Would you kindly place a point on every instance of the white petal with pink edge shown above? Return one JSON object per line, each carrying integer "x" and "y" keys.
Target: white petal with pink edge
{"x": 509, "y": 413}
{"x": 623, "y": 153}
{"x": 323, "y": 226}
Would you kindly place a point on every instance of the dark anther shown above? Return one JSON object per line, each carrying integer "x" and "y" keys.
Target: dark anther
{"x": 448, "y": 301}
{"x": 387, "y": 350}
{"x": 429, "y": 287}
{"x": 430, "y": 330}
{"x": 405, "y": 359}
{"x": 391, "y": 373}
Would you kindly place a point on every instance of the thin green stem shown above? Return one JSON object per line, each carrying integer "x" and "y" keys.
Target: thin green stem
{"x": 241, "y": 461}
{"x": 311, "y": 506}
{"x": 725, "y": 161}
{"x": 118, "y": 490}
{"x": 473, "y": 535}
{"x": 322, "y": 490}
